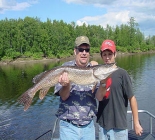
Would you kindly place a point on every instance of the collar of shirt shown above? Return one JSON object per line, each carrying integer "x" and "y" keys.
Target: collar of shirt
{"x": 88, "y": 65}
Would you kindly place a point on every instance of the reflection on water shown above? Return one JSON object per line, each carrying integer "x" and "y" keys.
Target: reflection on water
{"x": 15, "y": 124}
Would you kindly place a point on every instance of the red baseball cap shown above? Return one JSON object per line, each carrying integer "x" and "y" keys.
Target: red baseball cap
{"x": 108, "y": 45}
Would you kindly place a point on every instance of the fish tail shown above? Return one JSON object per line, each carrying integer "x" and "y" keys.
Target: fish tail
{"x": 25, "y": 99}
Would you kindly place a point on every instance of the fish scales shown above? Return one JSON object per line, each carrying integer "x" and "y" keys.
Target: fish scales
{"x": 80, "y": 76}
{"x": 75, "y": 74}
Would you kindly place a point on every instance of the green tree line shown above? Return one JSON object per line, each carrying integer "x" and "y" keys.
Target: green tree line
{"x": 32, "y": 38}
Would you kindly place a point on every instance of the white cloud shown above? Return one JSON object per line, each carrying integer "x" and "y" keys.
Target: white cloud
{"x": 80, "y": 23}
{"x": 21, "y": 6}
{"x": 120, "y": 11}
{"x": 112, "y": 19}
{"x": 6, "y": 4}
{"x": 14, "y": 5}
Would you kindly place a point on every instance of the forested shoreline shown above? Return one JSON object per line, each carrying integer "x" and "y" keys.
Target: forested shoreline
{"x": 31, "y": 38}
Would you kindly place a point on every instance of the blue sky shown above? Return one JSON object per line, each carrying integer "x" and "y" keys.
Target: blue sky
{"x": 93, "y": 12}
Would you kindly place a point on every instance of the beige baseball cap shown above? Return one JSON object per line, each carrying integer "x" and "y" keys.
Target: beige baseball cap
{"x": 80, "y": 40}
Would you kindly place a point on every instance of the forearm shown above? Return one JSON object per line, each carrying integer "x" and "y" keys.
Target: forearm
{"x": 100, "y": 93}
{"x": 64, "y": 92}
{"x": 134, "y": 108}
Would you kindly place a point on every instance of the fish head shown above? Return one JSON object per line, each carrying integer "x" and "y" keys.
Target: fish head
{"x": 101, "y": 72}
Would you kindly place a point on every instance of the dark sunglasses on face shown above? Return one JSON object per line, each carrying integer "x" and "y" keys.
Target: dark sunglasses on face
{"x": 81, "y": 49}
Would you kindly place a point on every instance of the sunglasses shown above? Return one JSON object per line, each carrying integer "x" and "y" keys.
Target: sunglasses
{"x": 81, "y": 49}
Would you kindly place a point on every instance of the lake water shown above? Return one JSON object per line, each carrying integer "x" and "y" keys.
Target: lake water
{"x": 16, "y": 124}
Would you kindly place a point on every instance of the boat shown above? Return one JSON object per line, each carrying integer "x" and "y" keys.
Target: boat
{"x": 146, "y": 135}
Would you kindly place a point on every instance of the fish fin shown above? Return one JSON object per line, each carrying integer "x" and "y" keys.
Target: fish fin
{"x": 94, "y": 87}
{"x": 43, "y": 92}
{"x": 25, "y": 99}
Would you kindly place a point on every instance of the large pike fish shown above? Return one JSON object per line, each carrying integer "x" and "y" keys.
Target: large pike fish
{"x": 81, "y": 76}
